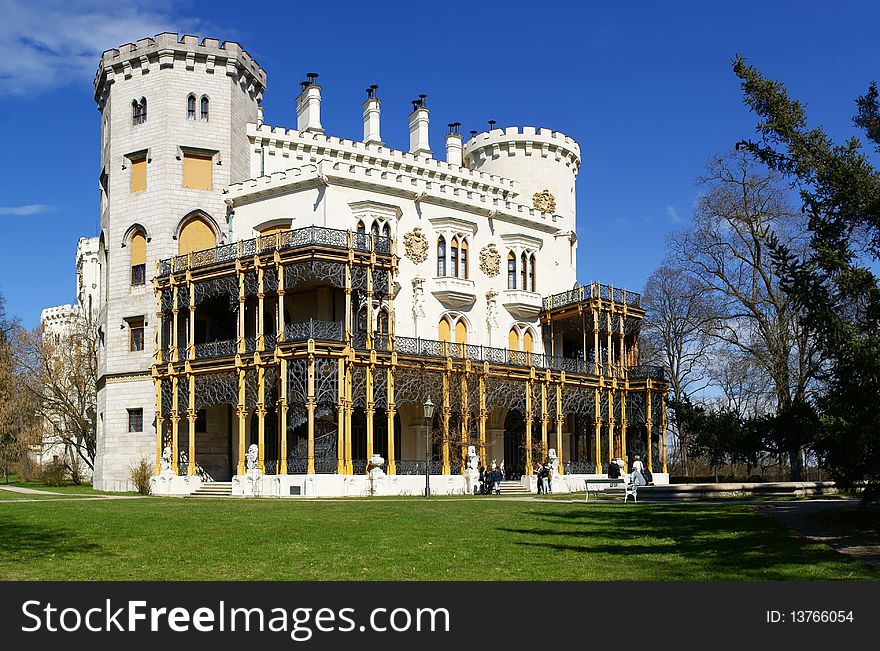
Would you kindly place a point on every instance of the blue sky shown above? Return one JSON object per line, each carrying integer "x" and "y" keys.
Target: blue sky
{"x": 645, "y": 88}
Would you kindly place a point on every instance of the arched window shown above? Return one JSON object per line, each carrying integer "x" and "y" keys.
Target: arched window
{"x": 386, "y": 230}
{"x": 528, "y": 342}
{"x": 453, "y": 257}
{"x": 511, "y": 270}
{"x": 461, "y": 332}
{"x": 382, "y": 322}
{"x": 138, "y": 245}
{"x": 374, "y": 230}
{"x": 143, "y": 110}
{"x": 361, "y": 229}
{"x": 513, "y": 339}
{"x": 532, "y": 269}
{"x": 452, "y": 329}
{"x": 196, "y": 235}
{"x": 135, "y": 112}
{"x": 444, "y": 330}
{"x": 441, "y": 256}
{"x": 191, "y": 107}
{"x": 463, "y": 259}
{"x": 203, "y": 113}
{"x": 523, "y": 271}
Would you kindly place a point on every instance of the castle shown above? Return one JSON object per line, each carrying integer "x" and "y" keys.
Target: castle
{"x": 308, "y": 294}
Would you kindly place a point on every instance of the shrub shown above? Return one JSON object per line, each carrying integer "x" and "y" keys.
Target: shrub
{"x": 140, "y": 476}
{"x": 54, "y": 473}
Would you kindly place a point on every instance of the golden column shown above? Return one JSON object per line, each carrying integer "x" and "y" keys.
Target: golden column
{"x": 559, "y": 425}
{"x": 343, "y": 417}
{"x": 159, "y": 424}
{"x": 282, "y": 406}
{"x": 175, "y": 423}
{"x": 370, "y": 409}
{"x": 545, "y": 418}
{"x": 348, "y": 466}
{"x": 611, "y": 450}
{"x": 191, "y": 416}
{"x": 595, "y": 342}
{"x": 623, "y": 425}
{"x": 529, "y": 469}
{"x": 261, "y": 328}
{"x": 310, "y": 410}
{"x": 609, "y": 359}
{"x": 465, "y": 416}
{"x": 597, "y": 412}
{"x": 390, "y": 411}
{"x": 242, "y": 415}
{"x": 484, "y": 414}
{"x": 648, "y": 423}
{"x": 446, "y": 413}
{"x": 260, "y": 412}
{"x": 175, "y": 354}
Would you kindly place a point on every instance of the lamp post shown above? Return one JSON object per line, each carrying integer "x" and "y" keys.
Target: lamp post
{"x": 429, "y": 414}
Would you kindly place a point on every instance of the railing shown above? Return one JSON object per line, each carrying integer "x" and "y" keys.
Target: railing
{"x": 358, "y": 466}
{"x": 579, "y": 467}
{"x": 416, "y": 467}
{"x": 312, "y": 329}
{"x": 212, "y": 349}
{"x": 647, "y": 372}
{"x": 294, "y": 239}
{"x": 593, "y": 290}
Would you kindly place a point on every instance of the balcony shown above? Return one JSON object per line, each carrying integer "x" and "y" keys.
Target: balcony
{"x": 308, "y": 237}
{"x": 522, "y": 305}
{"x": 455, "y": 293}
{"x": 593, "y": 290}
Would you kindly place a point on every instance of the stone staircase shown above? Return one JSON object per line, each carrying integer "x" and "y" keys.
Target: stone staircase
{"x": 513, "y": 488}
{"x": 213, "y": 489}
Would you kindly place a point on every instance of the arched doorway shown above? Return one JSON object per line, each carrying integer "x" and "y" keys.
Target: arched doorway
{"x": 514, "y": 445}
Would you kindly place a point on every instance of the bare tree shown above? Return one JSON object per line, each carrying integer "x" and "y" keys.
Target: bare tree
{"x": 61, "y": 376}
{"x": 726, "y": 251}
{"x": 677, "y": 329}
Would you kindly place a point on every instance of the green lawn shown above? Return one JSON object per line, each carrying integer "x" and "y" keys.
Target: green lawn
{"x": 404, "y": 539}
{"x": 68, "y": 487}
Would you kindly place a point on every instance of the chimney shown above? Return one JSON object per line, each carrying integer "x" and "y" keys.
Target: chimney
{"x": 418, "y": 128}
{"x": 453, "y": 144}
{"x": 308, "y": 105}
{"x": 371, "y": 116}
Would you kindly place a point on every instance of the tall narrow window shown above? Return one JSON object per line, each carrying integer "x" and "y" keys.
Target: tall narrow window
{"x": 135, "y": 420}
{"x": 461, "y": 332}
{"x": 463, "y": 259}
{"x": 386, "y": 230}
{"x": 511, "y": 270}
{"x": 523, "y": 271}
{"x": 203, "y": 109}
{"x": 513, "y": 339}
{"x": 138, "y": 172}
{"x": 191, "y": 107}
{"x": 361, "y": 229}
{"x": 143, "y": 110}
{"x": 374, "y": 230}
{"x": 138, "y": 259}
{"x": 382, "y": 323}
{"x": 443, "y": 330}
{"x": 532, "y": 270}
{"x": 528, "y": 342}
{"x": 136, "y": 335}
{"x": 135, "y": 112}
{"x": 441, "y": 256}
{"x": 453, "y": 257}
{"x": 197, "y": 171}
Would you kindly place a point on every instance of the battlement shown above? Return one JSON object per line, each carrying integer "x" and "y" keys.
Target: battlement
{"x": 279, "y": 139}
{"x": 168, "y": 49}
{"x": 528, "y": 140}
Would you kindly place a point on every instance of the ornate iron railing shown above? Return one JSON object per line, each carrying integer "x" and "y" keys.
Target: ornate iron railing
{"x": 312, "y": 329}
{"x": 358, "y": 466}
{"x": 593, "y": 290}
{"x": 645, "y": 372}
{"x": 579, "y": 467}
{"x": 416, "y": 467}
{"x": 271, "y": 466}
{"x": 293, "y": 239}
{"x": 250, "y": 344}
{"x": 212, "y": 349}
{"x": 325, "y": 466}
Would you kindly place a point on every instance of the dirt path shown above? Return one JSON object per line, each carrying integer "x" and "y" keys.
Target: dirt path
{"x": 824, "y": 521}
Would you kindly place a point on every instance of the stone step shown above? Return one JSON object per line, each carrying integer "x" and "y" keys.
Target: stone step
{"x": 513, "y": 488}
{"x": 213, "y": 489}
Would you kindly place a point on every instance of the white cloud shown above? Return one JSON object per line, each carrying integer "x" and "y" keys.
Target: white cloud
{"x": 48, "y": 43}
{"x": 29, "y": 209}
{"x": 673, "y": 214}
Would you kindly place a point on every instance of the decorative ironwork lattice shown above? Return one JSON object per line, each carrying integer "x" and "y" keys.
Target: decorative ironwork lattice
{"x": 182, "y": 396}
{"x": 216, "y": 389}
{"x": 332, "y": 273}
{"x": 214, "y": 349}
{"x": 414, "y": 387}
{"x": 359, "y": 387}
{"x": 297, "y": 381}
{"x": 227, "y": 286}
{"x": 579, "y": 400}
{"x": 251, "y": 284}
{"x": 270, "y": 386}
{"x": 359, "y": 278}
{"x": 326, "y": 381}
{"x": 182, "y": 296}
{"x": 311, "y": 329}
{"x": 270, "y": 279}
{"x": 551, "y": 400}
{"x": 380, "y": 388}
{"x": 380, "y": 282}
{"x": 503, "y": 393}
{"x": 251, "y": 388}
{"x": 635, "y": 408}
{"x": 167, "y": 392}
{"x": 166, "y": 300}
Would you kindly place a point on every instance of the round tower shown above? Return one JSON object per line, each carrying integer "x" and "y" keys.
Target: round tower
{"x": 174, "y": 113}
{"x": 539, "y": 159}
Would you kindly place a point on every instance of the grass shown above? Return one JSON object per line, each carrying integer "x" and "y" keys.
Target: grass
{"x": 404, "y": 539}
{"x": 67, "y": 487}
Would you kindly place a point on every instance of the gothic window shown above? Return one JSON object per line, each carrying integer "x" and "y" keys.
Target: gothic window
{"x": 196, "y": 235}
{"x": 203, "y": 109}
{"x": 441, "y": 256}
{"x": 453, "y": 257}
{"x": 528, "y": 342}
{"x": 523, "y": 271}
{"x": 138, "y": 245}
{"x": 532, "y": 269}
{"x": 143, "y": 110}
{"x": 511, "y": 270}
{"x": 463, "y": 260}
{"x": 375, "y": 230}
{"x": 513, "y": 339}
{"x": 361, "y": 229}
{"x": 386, "y": 230}
{"x": 136, "y": 335}
{"x": 135, "y": 420}
{"x": 191, "y": 107}
{"x": 382, "y": 322}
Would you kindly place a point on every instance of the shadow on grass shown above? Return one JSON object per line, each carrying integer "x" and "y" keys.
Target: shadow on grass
{"x": 23, "y": 541}
{"x": 738, "y": 543}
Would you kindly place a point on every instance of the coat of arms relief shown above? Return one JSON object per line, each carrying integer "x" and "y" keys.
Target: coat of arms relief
{"x": 415, "y": 245}
{"x": 544, "y": 201}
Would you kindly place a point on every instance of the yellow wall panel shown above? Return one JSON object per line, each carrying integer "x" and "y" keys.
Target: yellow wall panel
{"x": 513, "y": 340}
{"x": 197, "y": 171}
{"x": 443, "y": 330}
{"x": 139, "y": 175}
{"x": 461, "y": 333}
{"x": 196, "y": 236}
{"x": 138, "y": 249}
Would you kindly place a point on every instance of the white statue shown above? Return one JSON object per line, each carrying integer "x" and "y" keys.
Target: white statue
{"x": 376, "y": 476}
{"x": 491, "y": 312}
{"x": 418, "y": 304}
{"x": 472, "y": 473}
{"x": 553, "y": 460}
{"x": 252, "y": 457}
{"x": 165, "y": 461}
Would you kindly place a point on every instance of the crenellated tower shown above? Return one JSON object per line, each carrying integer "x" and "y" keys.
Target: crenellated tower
{"x": 174, "y": 112}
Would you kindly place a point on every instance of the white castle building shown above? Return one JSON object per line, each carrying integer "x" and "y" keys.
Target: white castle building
{"x": 306, "y": 294}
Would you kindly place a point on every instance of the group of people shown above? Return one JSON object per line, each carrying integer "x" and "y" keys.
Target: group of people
{"x": 544, "y": 472}
{"x": 640, "y": 474}
{"x": 490, "y": 480}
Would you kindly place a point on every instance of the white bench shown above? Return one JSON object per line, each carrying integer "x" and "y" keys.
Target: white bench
{"x": 597, "y": 485}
